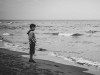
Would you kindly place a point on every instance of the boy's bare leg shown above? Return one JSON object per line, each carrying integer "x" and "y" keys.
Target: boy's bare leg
{"x": 31, "y": 58}
{"x": 31, "y": 55}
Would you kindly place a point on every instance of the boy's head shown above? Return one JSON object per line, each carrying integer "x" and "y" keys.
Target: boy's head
{"x": 32, "y": 26}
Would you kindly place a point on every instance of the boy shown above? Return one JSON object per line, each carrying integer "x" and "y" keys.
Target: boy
{"x": 32, "y": 41}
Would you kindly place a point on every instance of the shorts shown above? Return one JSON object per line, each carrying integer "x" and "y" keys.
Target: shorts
{"x": 32, "y": 48}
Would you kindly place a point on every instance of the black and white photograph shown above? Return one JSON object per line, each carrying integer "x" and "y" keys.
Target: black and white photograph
{"x": 49, "y": 37}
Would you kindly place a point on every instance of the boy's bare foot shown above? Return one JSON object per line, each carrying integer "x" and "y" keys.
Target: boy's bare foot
{"x": 32, "y": 61}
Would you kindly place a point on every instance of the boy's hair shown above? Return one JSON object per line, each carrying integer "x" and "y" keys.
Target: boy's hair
{"x": 32, "y": 25}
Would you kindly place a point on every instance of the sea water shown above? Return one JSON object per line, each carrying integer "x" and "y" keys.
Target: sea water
{"x": 58, "y": 37}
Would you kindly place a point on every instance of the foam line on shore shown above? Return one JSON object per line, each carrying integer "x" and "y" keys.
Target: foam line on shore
{"x": 15, "y": 47}
{"x": 80, "y": 61}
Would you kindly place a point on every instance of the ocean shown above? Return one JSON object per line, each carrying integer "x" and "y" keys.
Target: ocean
{"x": 68, "y": 39}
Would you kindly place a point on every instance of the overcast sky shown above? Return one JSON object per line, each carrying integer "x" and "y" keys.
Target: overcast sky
{"x": 50, "y": 9}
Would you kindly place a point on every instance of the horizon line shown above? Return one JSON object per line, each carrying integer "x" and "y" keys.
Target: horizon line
{"x": 44, "y": 19}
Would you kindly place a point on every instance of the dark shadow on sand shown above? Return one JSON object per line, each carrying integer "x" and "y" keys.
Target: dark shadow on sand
{"x": 12, "y": 52}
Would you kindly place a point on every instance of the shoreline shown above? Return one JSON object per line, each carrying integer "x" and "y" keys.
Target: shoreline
{"x": 44, "y": 66}
{"x": 50, "y": 58}
{"x": 80, "y": 61}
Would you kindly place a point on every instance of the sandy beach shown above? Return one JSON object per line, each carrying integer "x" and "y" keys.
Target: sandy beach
{"x": 12, "y": 63}
{"x": 57, "y": 52}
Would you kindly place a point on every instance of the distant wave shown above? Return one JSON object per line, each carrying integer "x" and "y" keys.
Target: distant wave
{"x": 70, "y": 34}
{"x": 92, "y": 31}
{"x": 65, "y": 34}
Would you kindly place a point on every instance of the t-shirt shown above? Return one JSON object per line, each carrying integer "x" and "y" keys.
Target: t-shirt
{"x": 31, "y": 36}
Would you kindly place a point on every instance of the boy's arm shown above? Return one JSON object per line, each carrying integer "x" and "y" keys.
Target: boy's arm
{"x": 32, "y": 36}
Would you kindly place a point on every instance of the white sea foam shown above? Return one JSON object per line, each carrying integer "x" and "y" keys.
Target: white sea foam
{"x": 14, "y": 47}
{"x": 6, "y": 34}
{"x": 52, "y": 54}
{"x": 65, "y": 34}
{"x": 10, "y": 23}
{"x": 81, "y": 61}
